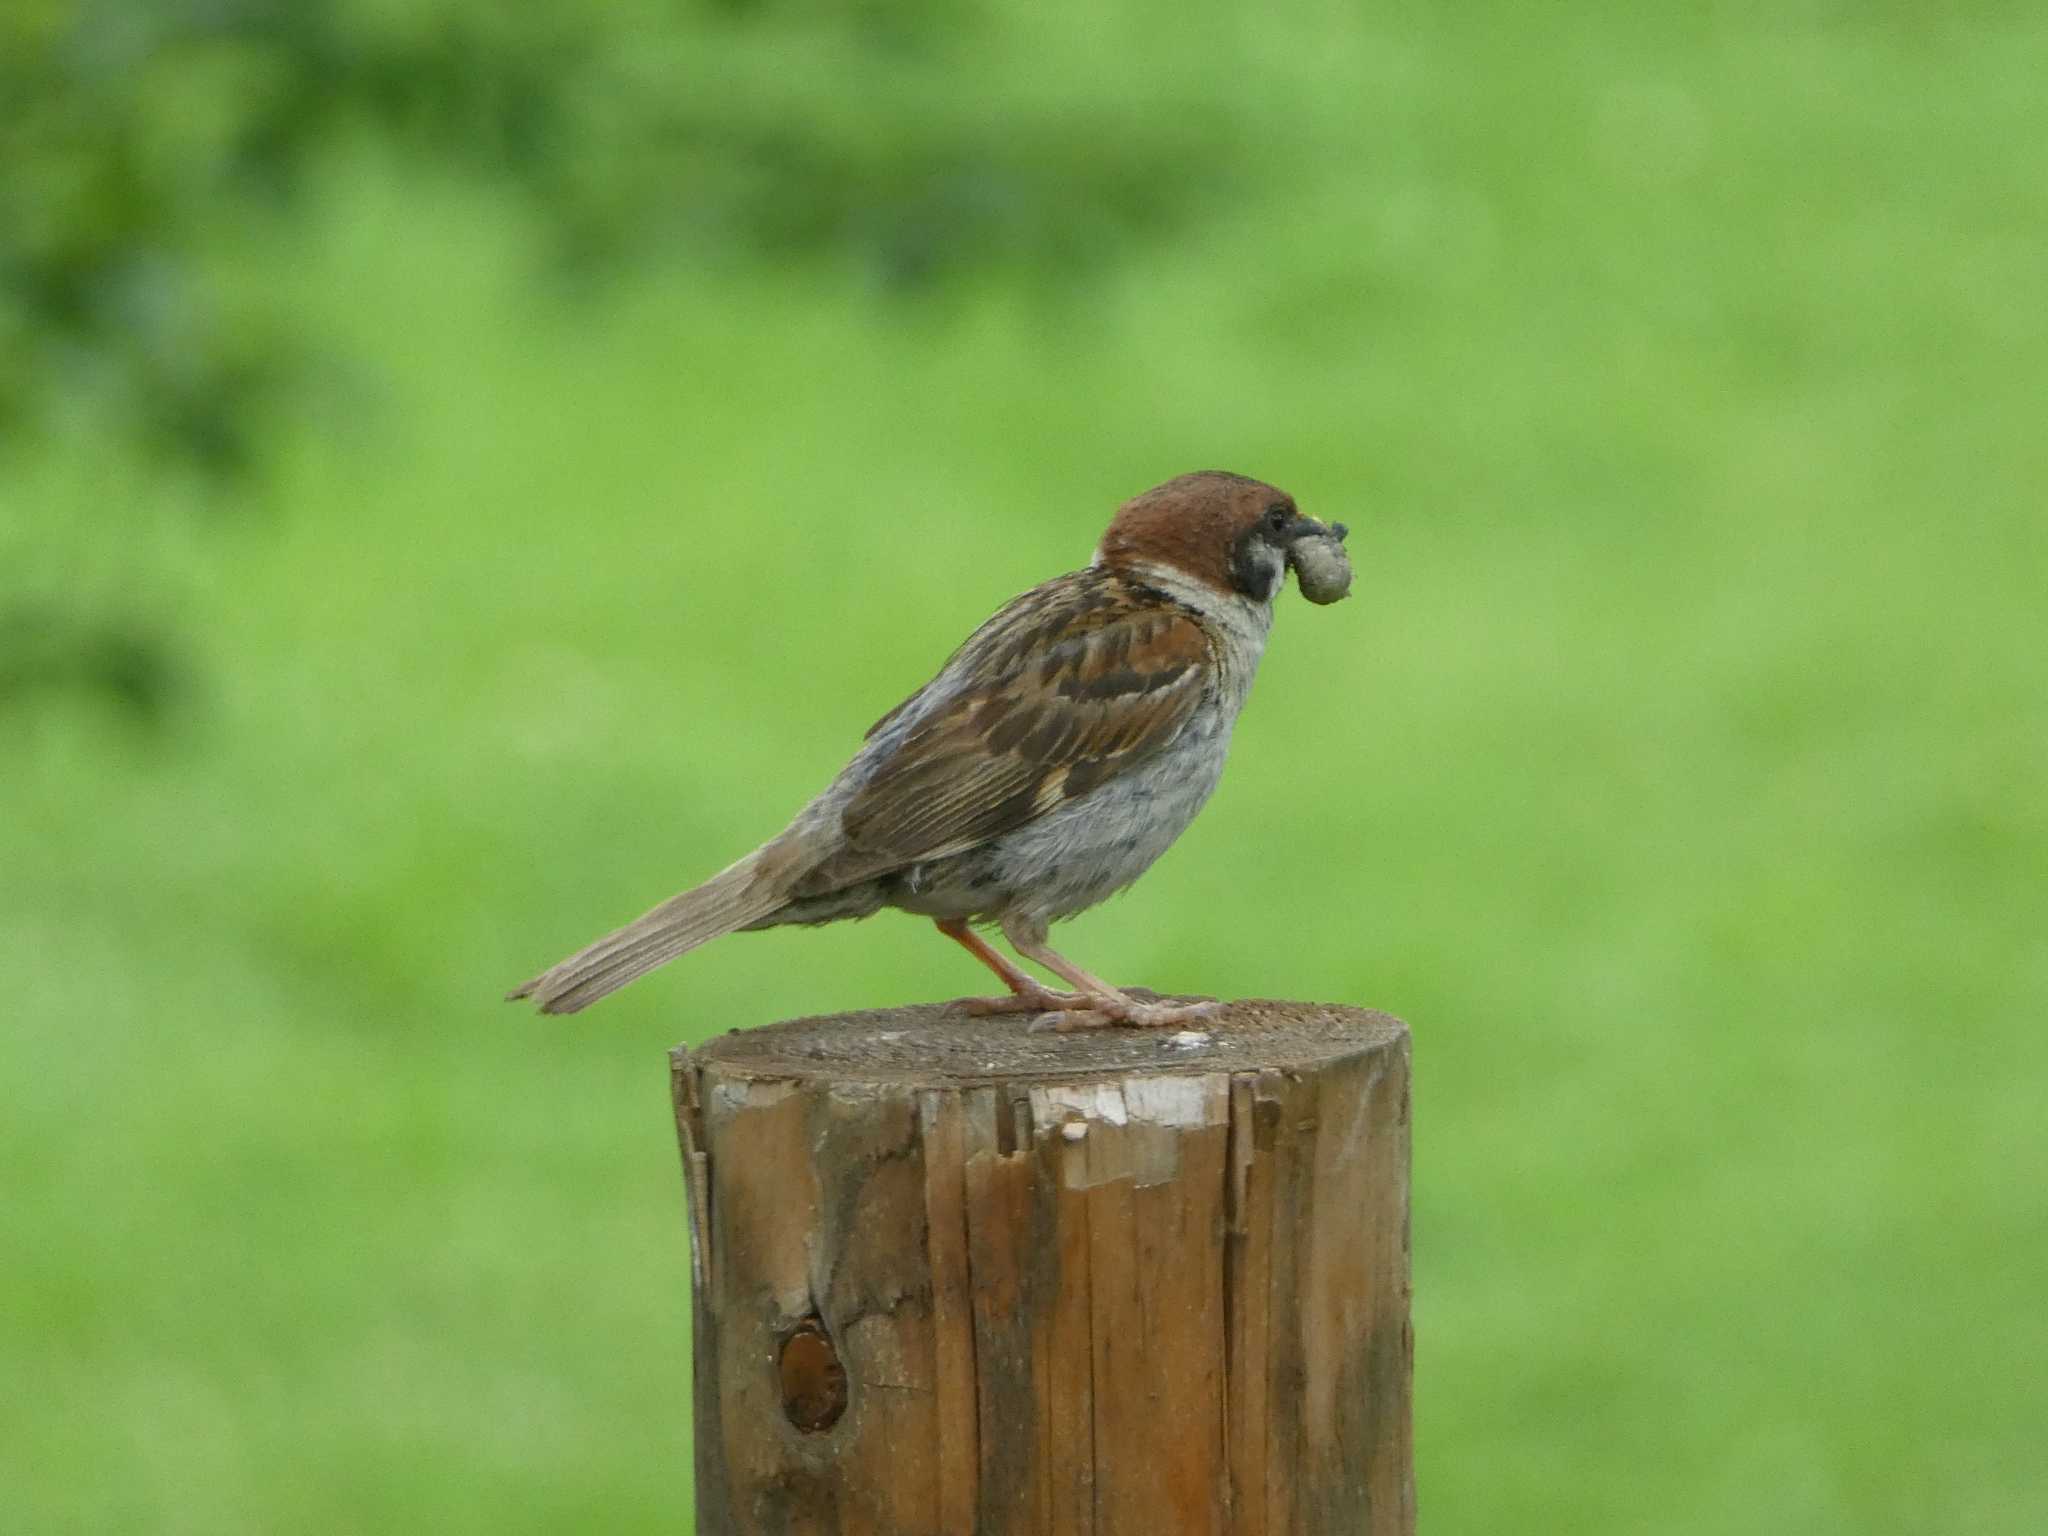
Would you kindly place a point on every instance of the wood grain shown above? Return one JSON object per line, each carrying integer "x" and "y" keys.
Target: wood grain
{"x": 953, "y": 1277}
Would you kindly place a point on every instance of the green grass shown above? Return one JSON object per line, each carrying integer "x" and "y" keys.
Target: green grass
{"x": 1677, "y": 771}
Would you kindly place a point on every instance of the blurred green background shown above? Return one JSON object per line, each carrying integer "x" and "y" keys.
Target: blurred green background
{"x": 466, "y": 472}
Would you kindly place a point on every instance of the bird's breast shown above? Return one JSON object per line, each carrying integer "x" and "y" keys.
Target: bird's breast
{"x": 1091, "y": 848}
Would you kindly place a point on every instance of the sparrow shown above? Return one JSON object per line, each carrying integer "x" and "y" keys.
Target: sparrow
{"x": 1054, "y": 757}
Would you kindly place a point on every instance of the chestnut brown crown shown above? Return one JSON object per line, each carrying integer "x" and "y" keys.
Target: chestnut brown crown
{"x": 1193, "y": 523}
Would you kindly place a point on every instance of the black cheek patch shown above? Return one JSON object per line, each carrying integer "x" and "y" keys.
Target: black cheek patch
{"x": 1245, "y": 574}
{"x": 1249, "y": 571}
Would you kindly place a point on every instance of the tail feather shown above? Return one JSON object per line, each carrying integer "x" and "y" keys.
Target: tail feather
{"x": 744, "y": 894}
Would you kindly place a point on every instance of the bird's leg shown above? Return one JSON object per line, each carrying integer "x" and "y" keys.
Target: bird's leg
{"x": 1027, "y": 993}
{"x": 1099, "y": 1003}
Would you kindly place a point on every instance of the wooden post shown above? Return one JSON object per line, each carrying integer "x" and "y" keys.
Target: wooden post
{"x": 951, "y": 1276}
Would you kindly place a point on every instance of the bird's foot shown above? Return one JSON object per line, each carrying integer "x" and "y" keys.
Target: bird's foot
{"x": 1101, "y": 1012}
{"x": 1033, "y": 999}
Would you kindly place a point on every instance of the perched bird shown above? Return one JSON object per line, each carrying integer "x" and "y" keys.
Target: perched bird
{"x": 1058, "y": 753}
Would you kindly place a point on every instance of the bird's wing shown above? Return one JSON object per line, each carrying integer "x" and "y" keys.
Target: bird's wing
{"x": 1061, "y": 691}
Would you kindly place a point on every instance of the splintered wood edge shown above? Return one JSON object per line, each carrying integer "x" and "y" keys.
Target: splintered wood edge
{"x": 940, "y": 1045}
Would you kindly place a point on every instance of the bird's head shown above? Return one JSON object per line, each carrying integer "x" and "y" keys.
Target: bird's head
{"x": 1233, "y": 533}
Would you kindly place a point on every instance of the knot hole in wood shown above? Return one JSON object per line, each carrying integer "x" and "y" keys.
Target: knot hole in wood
{"x": 813, "y": 1380}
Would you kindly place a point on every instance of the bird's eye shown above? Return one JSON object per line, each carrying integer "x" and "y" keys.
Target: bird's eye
{"x": 1276, "y": 518}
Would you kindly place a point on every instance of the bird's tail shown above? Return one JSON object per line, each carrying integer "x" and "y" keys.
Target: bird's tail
{"x": 746, "y": 893}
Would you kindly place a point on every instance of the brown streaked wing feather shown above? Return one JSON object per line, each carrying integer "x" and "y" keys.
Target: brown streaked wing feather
{"x": 1071, "y": 603}
{"x": 1079, "y": 682}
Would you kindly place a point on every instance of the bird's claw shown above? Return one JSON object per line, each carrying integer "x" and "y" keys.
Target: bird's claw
{"x": 1040, "y": 1000}
{"x": 1102, "y": 1012}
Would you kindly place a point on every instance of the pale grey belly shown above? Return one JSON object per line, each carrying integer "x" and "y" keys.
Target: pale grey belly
{"x": 1084, "y": 852}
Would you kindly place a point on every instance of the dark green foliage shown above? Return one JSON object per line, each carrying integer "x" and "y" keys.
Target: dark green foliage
{"x": 141, "y": 137}
{"x": 51, "y": 651}
{"x": 136, "y": 131}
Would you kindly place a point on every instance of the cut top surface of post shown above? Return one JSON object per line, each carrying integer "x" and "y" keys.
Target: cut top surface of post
{"x": 940, "y": 1044}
